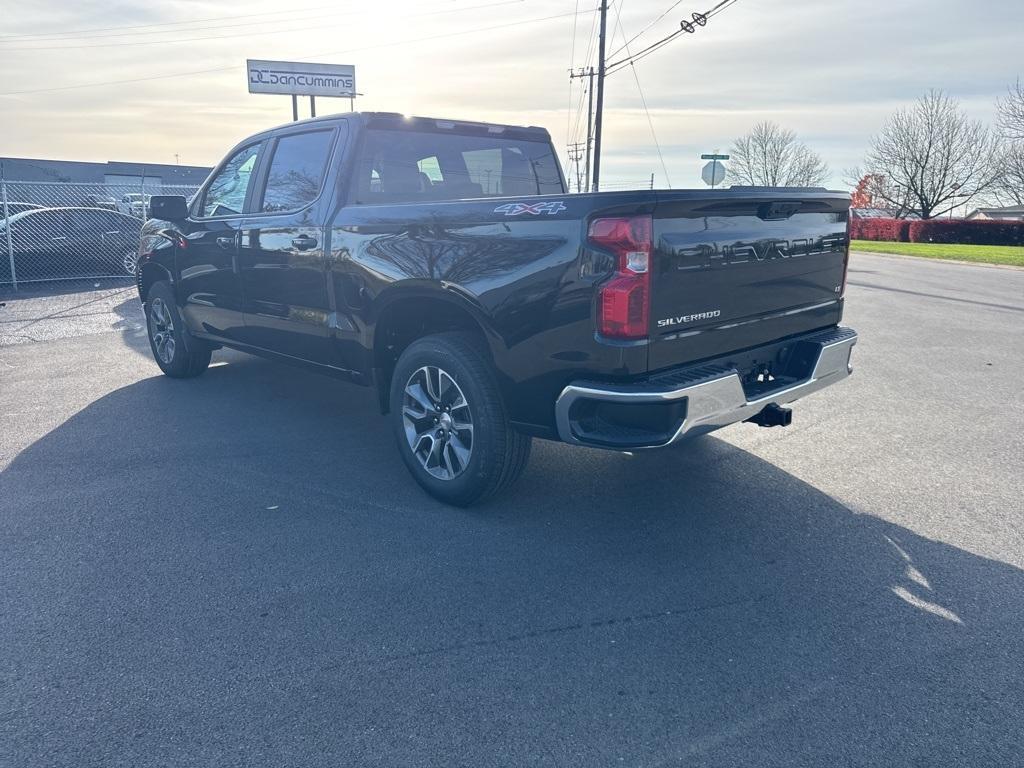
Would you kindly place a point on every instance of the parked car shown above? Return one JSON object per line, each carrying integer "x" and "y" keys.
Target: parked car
{"x": 99, "y": 201}
{"x": 12, "y": 208}
{"x": 54, "y": 243}
{"x": 134, "y": 204}
{"x": 444, "y": 264}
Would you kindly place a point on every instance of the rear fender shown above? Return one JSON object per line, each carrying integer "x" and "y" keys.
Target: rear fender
{"x": 402, "y": 314}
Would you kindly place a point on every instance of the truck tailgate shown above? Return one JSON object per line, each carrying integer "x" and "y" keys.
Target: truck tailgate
{"x": 739, "y": 268}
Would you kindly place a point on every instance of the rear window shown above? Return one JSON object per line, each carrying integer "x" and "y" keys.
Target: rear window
{"x": 409, "y": 166}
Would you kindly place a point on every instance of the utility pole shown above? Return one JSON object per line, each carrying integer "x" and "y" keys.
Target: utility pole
{"x": 600, "y": 95}
{"x": 575, "y": 155}
{"x": 587, "y": 72}
{"x": 590, "y": 121}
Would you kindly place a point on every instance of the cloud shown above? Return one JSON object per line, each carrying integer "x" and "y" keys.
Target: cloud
{"x": 832, "y": 70}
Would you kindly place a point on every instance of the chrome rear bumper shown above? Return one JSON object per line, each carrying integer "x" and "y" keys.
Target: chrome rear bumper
{"x": 707, "y": 397}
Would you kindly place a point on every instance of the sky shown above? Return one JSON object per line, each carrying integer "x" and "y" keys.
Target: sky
{"x": 164, "y": 80}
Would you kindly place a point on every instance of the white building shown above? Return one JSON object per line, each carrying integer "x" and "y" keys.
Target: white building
{"x": 1009, "y": 213}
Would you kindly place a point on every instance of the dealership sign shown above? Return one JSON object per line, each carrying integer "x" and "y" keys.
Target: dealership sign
{"x": 301, "y": 79}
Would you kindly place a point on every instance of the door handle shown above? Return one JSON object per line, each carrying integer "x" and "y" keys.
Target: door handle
{"x": 304, "y": 242}
{"x": 227, "y": 243}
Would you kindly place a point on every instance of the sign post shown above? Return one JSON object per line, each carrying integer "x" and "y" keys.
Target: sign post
{"x": 295, "y": 78}
{"x": 713, "y": 173}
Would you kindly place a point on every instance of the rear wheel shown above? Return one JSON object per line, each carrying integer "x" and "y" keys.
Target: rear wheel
{"x": 178, "y": 353}
{"x": 450, "y": 421}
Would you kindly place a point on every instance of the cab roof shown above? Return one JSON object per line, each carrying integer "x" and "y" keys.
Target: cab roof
{"x": 397, "y": 121}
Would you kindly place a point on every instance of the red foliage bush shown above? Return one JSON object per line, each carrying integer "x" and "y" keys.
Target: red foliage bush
{"x": 961, "y": 231}
{"x": 892, "y": 230}
{"x": 953, "y": 231}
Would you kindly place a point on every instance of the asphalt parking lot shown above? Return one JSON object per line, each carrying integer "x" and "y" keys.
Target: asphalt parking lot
{"x": 237, "y": 569}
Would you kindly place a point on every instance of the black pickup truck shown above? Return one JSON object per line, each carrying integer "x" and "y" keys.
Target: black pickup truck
{"x": 445, "y": 264}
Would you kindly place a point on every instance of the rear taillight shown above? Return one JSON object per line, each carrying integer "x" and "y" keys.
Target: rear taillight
{"x": 623, "y": 303}
{"x": 846, "y": 269}
{"x": 846, "y": 262}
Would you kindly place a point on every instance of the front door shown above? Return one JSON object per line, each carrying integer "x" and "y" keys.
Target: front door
{"x": 210, "y": 287}
{"x": 282, "y": 256}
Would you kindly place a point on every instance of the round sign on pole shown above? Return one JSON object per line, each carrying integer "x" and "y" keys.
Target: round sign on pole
{"x": 713, "y": 173}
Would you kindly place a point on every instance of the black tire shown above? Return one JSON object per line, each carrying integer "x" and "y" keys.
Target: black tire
{"x": 178, "y": 353}
{"x": 498, "y": 453}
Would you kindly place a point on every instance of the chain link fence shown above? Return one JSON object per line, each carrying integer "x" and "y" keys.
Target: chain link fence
{"x": 56, "y": 231}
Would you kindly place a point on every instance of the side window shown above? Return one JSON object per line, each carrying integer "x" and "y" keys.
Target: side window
{"x": 431, "y": 168}
{"x": 296, "y": 171}
{"x": 226, "y": 193}
{"x": 483, "y": 166}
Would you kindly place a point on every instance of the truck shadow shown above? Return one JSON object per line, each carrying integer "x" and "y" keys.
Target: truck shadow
{"x": 256, "y": 527}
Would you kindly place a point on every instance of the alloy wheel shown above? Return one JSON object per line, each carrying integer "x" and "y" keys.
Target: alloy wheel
{"x": 438, "y": 422}
{"x": 161, "y": 330}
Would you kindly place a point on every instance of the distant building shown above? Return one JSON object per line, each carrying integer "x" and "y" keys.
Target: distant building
{"x": 1009, "y": 213}
{"x": 882, "y": 213}
{"x": 110, "y": 172}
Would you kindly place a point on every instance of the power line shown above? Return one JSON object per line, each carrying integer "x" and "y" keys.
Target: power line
{"x": 161, "y": 24}
{"x": 40, "y": 38}
{"x": 663, "y": 14}
{"x": 233, "y": 67}
{"x": 643, "y": 100}
{"x": 685, "y": 27}
{"x": 572, "y": 59}
{"x": 604, "y": 69}
{"x": 250, "y": 33}
{"x": 587, "y": 62}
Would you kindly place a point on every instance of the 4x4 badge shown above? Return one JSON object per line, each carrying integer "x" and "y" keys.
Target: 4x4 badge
{"x": 534, "y": 209}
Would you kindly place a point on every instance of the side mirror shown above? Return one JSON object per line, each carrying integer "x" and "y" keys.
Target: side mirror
{"x": 168, "y": 207}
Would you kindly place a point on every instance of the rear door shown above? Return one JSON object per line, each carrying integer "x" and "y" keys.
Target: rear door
{"x": 282, "y": 263}
{"x": 209, "y": 282}
{"x": 738, "y": 268}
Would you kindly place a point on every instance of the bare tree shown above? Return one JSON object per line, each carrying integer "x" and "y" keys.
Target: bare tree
{"x": 1011, "y": 112}
{"x": 934, "y": 157}
{"x": 1009, "y": 185}
{"x": 772, "y": 156}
